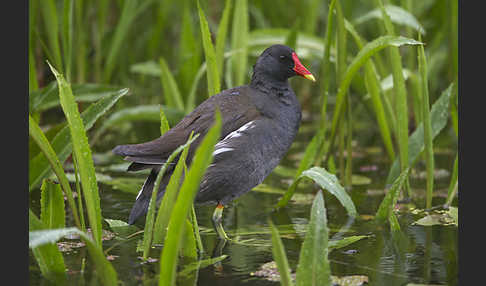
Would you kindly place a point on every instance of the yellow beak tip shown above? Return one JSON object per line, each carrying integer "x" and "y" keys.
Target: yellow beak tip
{"x": 310, "y": 77}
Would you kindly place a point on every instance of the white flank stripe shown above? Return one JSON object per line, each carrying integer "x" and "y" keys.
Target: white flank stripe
{"x": 221, "y": 150}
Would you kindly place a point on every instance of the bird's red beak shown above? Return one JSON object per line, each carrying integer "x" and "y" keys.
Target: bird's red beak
{"x": 300, "y": 69}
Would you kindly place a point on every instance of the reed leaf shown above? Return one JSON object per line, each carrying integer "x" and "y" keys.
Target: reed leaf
{"x": 164, "y": 123}
{"x": 52, "y": 205}
{"x": 210, "y": 55}
{"x": 188, "y": 245}
{"x": 48, "y": 97}
{"x": 170, "y": 196}
{"x": 48, "y": 152}
{"x": 67, "y": 36}
{"x": 397, "y": 15}
{"x": 386, "y": 207}
{"x": 314, "y": 267}
{"x": 401, "y": 105}
{"x": 48, "y": 256}
{"x": 326, "y": 181}
{"x": 221, "y": 37}
{"x": 189, "y": 52}
{"x": 51, "y": 25}
{"x": 278, "y": 251}
{"x": 438, "y": 120}
{"x": 61, "y": 143}
{"x": 172, "y": 94}
{"x": 82, "y": 152}
{"x": 373, "y": 86}
{"x": 128, "y": 15}
{"x": 105, "y": 271}
{"x": 364, "y": 54}
{"x": 453, "y": 183}
{"x": 429, "y": 152}
{"x": 291, "y": 40}
{"x": 202, "y": 158}
{"x": 239, "y": 42}
{"x": 151, "y": 225}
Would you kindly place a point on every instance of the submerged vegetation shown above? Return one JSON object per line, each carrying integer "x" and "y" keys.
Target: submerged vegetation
{"x": 104, "y": 70}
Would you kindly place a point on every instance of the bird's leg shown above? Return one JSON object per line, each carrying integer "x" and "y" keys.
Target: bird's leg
{"x": 217, "y": 219}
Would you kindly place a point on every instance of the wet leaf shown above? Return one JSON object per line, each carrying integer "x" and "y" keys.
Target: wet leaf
{"x": 270, "y": 272}
{"x": 439, "y": 218}
{"x": 326, "y": 181}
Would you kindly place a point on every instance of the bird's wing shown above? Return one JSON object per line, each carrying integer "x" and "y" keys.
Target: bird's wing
{"x": 236, "y": 109}
{"x": 241, "y": 161}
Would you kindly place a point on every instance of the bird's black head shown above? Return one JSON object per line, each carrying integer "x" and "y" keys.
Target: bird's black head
{"x": 279, "y": 63}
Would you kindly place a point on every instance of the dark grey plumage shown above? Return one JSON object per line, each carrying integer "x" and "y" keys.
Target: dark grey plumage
{"x": 259, "y": 124}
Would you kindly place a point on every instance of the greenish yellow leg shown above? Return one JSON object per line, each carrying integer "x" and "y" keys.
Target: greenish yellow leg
{"x": 217, "y": 219}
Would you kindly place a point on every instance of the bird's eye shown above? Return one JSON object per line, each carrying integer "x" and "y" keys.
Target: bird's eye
{"x": 282, "y": 58}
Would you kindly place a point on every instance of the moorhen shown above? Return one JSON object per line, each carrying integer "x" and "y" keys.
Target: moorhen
{"x": 259, "y": 123}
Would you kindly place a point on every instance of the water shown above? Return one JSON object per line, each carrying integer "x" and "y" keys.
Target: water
{"x": 417, "y": 254}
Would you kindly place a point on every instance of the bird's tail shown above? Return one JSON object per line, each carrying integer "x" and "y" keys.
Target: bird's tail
{"x": 142, "y": 201}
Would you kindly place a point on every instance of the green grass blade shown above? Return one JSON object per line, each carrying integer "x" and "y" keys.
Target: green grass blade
{"x": 291, "y": 40}
{"x": 172, "y": 95}
{"x": 397, "y": 15}
{"x": 239, "y": 42}
{"x": 189, "y": 52}
{"x": 128, "y": 15}
{"x": 325, "y": 73}
{"x": 210, "y": 55}
{"x": 188, "y": 245}
{"x": 278, "y": 251}
{"x": 52, "y": 205}
{"x": 221, "y": 37}
{"x": 401, "y": 105}
{"x": 164, "y": 123}
{"x": 429, "y": 152}
{"x": 453, "y": 183}
{"x": 386, "y": 207}
{"x": 326, "y": 181}
{"x": 202, "y": 158}
{"x": 438, "y": 119}
{"x": 48, "y": 152}
{"x": 364, "y": 54}
{"x": 314, "y": 267}
{"x": 48, "y": 97}
{"x": 105, "y": 271}
{"x": 170, "y": 195}
{"x": 51, "y": 26}
{"x": 82, "y": 152}
{"x": 48, "y": 256}
{"x": 61, "y": 143}
{"x": 67, "y": 36}
{"x": 312, "y": 16}
{"x": 373, "y": 86}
